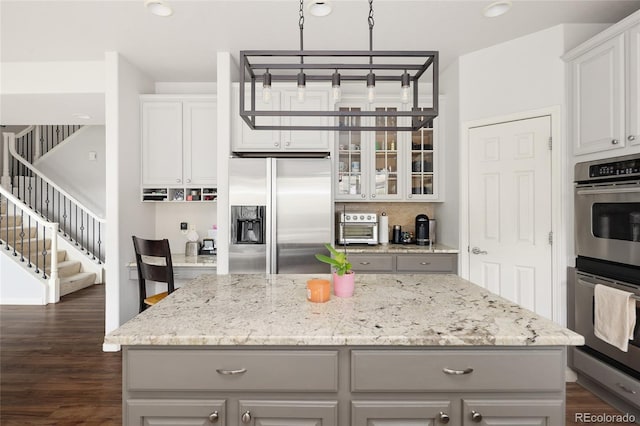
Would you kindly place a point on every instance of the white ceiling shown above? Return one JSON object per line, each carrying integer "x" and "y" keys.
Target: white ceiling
{"x": 182, "y": 48}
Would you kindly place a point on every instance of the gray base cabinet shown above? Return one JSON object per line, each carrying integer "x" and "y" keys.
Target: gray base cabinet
{"x": 401, "y": 263}
{"x": 343, "y": 386}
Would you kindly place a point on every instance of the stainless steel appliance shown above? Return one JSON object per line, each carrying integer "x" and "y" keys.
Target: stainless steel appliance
{"x": 629, "y": 362}
{"x": 357, "y": 228}
{"x": 607, "y": 209}
{"x": 422, "y": 230}
{"x": 281, "y": 211}
{"x": 607, "y": 206}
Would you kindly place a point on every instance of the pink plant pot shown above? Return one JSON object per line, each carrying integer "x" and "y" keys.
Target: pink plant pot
{"x": 343, "y": 285}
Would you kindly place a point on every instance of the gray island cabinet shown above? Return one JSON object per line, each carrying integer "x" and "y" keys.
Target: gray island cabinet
{"x": 405, "y": 350}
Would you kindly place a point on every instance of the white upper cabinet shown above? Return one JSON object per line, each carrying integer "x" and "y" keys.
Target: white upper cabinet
{"x": 178, "y": 141}
{"x": 161, "y": 142}
{"x": 604, "y": 90}
{"x": 244, "y": 139}
{"x": 633, "y": 106}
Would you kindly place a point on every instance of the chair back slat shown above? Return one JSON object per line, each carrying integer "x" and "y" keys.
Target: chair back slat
{"x": 153, "y": 258}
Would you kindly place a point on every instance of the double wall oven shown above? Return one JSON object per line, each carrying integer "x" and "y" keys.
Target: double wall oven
{"x": 607, "y": 237}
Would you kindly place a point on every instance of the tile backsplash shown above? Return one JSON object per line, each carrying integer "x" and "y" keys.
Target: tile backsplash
{"x": 403, "y": 214}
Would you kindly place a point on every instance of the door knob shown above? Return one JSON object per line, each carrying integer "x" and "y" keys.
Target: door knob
{"x": 476, "y": 250}
{"x": 443, "y": 417}
{"x": 246, "y": 417}
{"x": 475, "y": 416}
{"x": 213, "y": 417}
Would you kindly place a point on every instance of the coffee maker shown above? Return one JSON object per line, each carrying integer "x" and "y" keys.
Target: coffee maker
{"x": 422, "y": 230}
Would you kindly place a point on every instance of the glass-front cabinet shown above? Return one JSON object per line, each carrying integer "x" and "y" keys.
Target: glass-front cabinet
{"x": 350, "y": 167}
{"x": 421, "y": 157}
{"x": 369, "y": 162}
{"x": 385, "y": 165}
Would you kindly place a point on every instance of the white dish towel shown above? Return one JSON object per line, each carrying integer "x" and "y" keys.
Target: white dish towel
{"x": 614, "y": 316}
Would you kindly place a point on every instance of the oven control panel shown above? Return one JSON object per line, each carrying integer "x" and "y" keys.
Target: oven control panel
{"x": 615, "y": 168}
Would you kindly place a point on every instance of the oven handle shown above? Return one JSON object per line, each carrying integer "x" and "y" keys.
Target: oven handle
{"x": 592, "y": 283}
{"x": 610, "y": 190}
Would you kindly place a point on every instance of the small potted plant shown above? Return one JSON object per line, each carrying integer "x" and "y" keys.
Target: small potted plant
{"x": 343, "y": 276}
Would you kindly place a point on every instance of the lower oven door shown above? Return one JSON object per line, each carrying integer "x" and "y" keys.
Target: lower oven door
{"x": 584, "y": 307}
{"x": 607, "y": 221}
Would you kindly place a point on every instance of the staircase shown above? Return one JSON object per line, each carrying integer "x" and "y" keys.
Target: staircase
{"x": 44, "y": 230}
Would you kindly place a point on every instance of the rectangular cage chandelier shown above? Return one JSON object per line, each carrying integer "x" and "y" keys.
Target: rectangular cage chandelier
{"x": 405, "y": 68}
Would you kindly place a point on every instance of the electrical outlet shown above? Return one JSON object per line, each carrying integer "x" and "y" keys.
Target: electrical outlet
{"x": 183, "y": 226}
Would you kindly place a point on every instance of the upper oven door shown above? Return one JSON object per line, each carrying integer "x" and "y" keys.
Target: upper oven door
{"x": 607, "y": 221}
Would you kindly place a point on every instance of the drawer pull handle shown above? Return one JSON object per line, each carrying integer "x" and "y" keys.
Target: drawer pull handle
{"x": 365, "y": 263}
{"x": 425, "y": 263}
{"x": 246, "y": 417}
{"x": 457, "y": 372}
{"x": 626, "y": 389}
{"x": 443, "y": 417}
{"x": 475, "y": 416}
{"x": 213, "y": 417}
{"x": 231, "y": 372}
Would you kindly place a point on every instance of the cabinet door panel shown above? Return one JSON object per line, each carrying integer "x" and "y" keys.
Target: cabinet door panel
{"x": 399, "y": 413}
{"x": 598, "y": 93}
{"x": 288, "y": 413}
{"x": 513, "y": 412}
{"x": 186, "y": 412}
{"x": 305, "y": 140}
{"x": 200, "y": 135}
{"x": 246, "y": 139}
{"x": 162, "y": 143}
{"x": 633, "y": 102}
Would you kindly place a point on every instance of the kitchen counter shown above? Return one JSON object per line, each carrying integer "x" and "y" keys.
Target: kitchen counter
{"x": 180, "y": 260}
{"x": 395, "y": 310}
{"x": 398, "y": 248}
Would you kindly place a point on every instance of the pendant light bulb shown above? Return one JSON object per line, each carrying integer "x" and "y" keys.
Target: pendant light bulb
{"x": 371, "y": 86}
{"x": 405, "y": 91}
{"x": 266, "y": 87}
{"x": 335, "y": 85}
{"x": 302, "y": 82}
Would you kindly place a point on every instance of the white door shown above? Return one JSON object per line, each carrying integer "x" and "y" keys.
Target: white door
{"x": 510, "y": 211}
{"x": 200, "y": 142}
{"x": 162, "y": 142}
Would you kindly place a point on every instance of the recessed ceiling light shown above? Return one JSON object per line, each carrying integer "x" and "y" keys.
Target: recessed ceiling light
{"x": 319, "y": 7}
{"x": 81, "y": 115}
{"x": 497, "y": 8}
{"x": 158, "y": 7}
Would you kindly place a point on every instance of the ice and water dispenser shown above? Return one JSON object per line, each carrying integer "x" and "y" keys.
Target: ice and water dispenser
{"x": 248, "y": 224}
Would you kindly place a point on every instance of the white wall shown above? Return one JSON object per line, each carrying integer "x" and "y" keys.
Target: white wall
{"x": 30, "y": 291}
{"x": 69, "y": 166}
{"x": 126, "y": 214}
{"x": 446, "y": 213}
{"x": 169, "y": 215}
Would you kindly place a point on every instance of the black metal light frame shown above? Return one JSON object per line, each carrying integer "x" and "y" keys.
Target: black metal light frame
{"x": 254, "y": 63}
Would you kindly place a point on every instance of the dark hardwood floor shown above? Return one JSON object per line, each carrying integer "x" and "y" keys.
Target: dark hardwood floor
{"x": 53, "y": 370}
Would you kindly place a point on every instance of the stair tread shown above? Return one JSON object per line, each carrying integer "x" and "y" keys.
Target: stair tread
{"x": 77, "y": 277}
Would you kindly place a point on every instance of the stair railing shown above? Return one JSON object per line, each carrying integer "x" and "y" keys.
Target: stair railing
{"x": 35, "y": 141}
{"x": 75, "y": 221}
{"x": 16, "y": 240}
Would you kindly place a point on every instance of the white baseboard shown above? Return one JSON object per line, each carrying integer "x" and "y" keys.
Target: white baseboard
{"x": 110, "y": 347}
{"x": 32, "y": 301}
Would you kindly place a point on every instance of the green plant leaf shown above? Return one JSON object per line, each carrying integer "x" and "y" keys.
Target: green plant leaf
{"x": 327, "y": 259}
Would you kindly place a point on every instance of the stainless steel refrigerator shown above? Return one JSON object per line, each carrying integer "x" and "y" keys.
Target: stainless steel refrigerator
{"x": 281, "y": 213}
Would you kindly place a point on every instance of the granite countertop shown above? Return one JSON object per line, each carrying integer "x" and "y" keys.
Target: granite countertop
{"x": 180, "y": 260}
{"x": 398, "y": 310}
{"x": 398, "y": 248}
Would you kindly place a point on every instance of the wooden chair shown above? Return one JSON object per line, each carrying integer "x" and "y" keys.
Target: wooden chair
{"x": 153, "y": 258}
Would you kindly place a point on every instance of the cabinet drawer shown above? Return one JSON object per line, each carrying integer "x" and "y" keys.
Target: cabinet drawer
{"x": 486, "y": 370}
{"x": 371, "y": 263}
{"x": 440, "y": 263}
{"x": 232, "y": 370}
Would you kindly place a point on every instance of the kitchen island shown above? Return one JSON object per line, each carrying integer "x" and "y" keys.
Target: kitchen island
{"x": 250, "y": 349}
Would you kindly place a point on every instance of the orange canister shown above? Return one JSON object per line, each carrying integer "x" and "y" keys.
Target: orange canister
{"x": 318, "y": 290}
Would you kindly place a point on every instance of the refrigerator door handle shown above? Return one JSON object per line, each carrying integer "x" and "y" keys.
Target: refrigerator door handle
{"x": 272, "y": 264}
